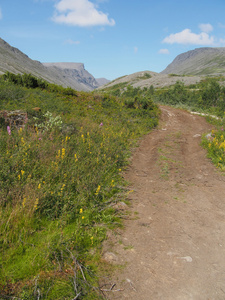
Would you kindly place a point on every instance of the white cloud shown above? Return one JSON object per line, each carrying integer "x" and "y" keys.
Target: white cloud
{"x": 71, "y": 42}
{"x": 164, "y": 51}
{"x": 188, "y": 37}
{"x": 81, "y": 13}
{"x": 206, "y": 28}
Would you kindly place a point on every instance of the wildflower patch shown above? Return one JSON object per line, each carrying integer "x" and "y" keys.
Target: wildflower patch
{"x": 215, "y": 146}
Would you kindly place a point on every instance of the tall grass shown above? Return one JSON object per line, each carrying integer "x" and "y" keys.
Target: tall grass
{"x": 60, "y": 173}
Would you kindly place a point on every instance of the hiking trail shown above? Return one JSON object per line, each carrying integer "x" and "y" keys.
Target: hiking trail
{"x": 173, "y": 243}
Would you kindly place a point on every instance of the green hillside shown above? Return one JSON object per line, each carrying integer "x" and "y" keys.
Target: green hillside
{"x": 62, "y": 156}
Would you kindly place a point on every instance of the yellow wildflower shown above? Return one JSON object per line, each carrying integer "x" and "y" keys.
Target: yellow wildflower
{"x": 24, "y": 201}
{"x": 63, "y": 152}
{"x": 97, "y": 191}
{"x": 81, "y": 210}
{"x": 36, "y": 203}
{"x": 58, "y": 155}
{"x": 62, "y": 188}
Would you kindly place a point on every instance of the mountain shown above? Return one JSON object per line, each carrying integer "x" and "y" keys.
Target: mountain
{"x": 71, "y": 75}
{"x": 102, "y": 81}
{"x": 200, "y": 61}
{"x": 148, "y": 78}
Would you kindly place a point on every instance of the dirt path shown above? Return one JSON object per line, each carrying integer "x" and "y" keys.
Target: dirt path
{"x": 173, "y": 244}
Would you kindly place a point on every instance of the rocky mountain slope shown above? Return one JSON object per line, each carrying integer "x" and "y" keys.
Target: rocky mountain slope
{"x": 66, "y": 74}
{"x": 148, "y": 78}
{"x": 73, "y": 73}
{"x": 200, "y": 61}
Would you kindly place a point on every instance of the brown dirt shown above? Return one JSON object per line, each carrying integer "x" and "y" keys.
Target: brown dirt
{"x": 173, "y": 243}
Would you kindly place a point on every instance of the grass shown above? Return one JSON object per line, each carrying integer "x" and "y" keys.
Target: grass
{"x": 128, "y": 247}
{"x": 164, "y": 172}
{"x": 60, "y": 174}
{"x": 164, "y": 160}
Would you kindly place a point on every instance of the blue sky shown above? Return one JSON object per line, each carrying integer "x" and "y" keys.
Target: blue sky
{"x": 112, "y": 37}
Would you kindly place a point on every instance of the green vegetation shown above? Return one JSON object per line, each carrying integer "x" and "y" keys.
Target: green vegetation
{"x": 214, "y": 142}
{"x": 145, "y": 76}
{"x": 116, "y": 88}
{"x": 175, "y": 75}
{"x": 208, "y": 95}
{"x": 27, "y": 80}
{"x": 60, "y": 173}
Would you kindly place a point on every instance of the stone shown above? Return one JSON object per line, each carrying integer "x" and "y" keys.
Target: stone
{"x": 110, "y": 257}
